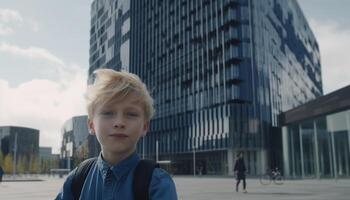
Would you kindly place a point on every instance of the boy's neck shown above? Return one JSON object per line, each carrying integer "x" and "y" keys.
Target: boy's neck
{"x": 113, "y": 158}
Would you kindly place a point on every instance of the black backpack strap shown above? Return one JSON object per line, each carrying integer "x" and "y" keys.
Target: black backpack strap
{"x": 80, "y": 175}
{"x": 142, "y": 179}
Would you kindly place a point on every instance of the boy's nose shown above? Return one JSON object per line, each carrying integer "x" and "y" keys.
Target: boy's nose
{"x": 119, "y": 123}
{"x": 118, "y": 126}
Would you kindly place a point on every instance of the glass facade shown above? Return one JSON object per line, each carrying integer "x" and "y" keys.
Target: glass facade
{"x": 77, "y": 143}
{"x": 316, "y": 137}
{"x": 220, "y": 73}
{"x": 110, "y": 35}
{"x": 318, "y": 147}
{"x": 47, "y": 160}
{"x": 19, "y": 149}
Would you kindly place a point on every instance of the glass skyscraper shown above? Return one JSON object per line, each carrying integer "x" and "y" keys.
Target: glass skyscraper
{"x": 220, "y": 72}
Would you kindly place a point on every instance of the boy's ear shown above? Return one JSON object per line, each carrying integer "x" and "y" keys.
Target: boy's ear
{"x": 91, "y": 127}
{"x": 145, "y": 128}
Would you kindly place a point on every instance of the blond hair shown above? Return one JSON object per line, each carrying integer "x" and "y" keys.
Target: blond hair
{"x": 110, "y": 86}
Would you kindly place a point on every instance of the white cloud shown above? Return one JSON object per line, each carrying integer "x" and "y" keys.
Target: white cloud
{"x": 4, "y": 30}
{"x": 9, "y": 18}
{"x": 334, "y": 42}
{"x": 7, "y": 15}
{"x": 44, "y": 104}
{"x": 30, "y": 52}
{"x": 34, "y": 26}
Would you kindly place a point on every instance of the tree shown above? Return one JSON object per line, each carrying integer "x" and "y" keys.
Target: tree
{"x": 81, "y": 154}
{"x": 45, "y": 165}
{"x": 54, "y": 162}
{"x": 8, "y": 163}
{"x": 1, "y": 158}
{"x": 33, "y": 165}
{"x": 21, "y": 165}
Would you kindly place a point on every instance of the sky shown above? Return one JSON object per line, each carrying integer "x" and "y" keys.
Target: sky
{"x": 44, "y": 52}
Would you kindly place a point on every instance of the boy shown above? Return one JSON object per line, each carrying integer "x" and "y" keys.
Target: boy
{"x": 119, "y": 111}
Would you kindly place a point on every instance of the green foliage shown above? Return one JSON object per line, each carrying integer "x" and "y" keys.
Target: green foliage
{"x": 21, "y": 165}
{"x": 1, "y": 159}
{"x": 55, "y": 163}
{"x": 8, "y": 164}
{"x": 34, "y": 165}
{"x": 45, "y": 166}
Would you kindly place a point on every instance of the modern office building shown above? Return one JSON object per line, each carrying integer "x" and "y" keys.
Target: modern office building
{"x": 316, "y": 137}
{"x": 45, "y": 153}
{"x": 220, "y": 72}
{"x": 19, "y": 149}
{"x": 110, "y": 34}
{"x": 77, "y": 143}
{"x": 47, "y": 160}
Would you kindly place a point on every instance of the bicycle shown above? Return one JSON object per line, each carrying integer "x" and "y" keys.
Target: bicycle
{"x": 272, "y": 175}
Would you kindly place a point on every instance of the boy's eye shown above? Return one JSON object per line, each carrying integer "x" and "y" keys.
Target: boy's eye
{"x": 132, "y": 114}
{"x": 107, "y": 113}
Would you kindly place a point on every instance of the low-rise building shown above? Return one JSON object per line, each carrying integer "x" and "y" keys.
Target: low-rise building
{"x": 316, "y": 137}
{"x": 19, "y": 149}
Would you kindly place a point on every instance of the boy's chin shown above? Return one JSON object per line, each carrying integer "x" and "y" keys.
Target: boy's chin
{"x": 120, "y": 150}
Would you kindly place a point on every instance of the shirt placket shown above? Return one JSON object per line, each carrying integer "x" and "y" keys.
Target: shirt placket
{"x": 109, "y": 183}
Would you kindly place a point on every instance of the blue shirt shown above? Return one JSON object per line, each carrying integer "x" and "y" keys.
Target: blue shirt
{"x": 115, "y": 182}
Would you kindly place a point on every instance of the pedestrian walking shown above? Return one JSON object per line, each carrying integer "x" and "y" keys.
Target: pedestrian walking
{"x": 240, "y": 171}
{"x": 1, "y": 173}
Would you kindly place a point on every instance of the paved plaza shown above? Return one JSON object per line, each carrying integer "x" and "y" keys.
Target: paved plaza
{"x": 200, "y": 188}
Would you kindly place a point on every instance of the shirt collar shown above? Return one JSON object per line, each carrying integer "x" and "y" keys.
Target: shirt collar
{"x": 120, "y": 169}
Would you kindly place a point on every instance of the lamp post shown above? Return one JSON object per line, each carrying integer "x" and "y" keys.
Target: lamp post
{"x": 194, "y": 159}
{"x": 157, "y": 149}
{"x": 15, "y": 155}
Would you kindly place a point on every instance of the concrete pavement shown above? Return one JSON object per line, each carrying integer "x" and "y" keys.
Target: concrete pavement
{"x": 202, "y": 188}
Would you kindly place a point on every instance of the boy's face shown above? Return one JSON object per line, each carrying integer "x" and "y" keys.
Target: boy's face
{"x": 118, "y": 126}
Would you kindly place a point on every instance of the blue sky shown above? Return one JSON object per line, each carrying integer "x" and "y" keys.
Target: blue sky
{"x": 44, "y": 58}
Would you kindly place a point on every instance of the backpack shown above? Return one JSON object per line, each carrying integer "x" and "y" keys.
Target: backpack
{"x": 142, "y": 178}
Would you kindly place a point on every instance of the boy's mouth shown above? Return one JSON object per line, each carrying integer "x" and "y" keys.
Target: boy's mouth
{"x": 118, "y": 135}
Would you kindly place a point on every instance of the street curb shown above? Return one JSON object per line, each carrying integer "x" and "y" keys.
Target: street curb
{"x": 22, "y": 180}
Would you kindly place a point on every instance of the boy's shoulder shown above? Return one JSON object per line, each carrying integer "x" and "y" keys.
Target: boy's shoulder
{"x": 80, "y": 174}
{"x": 143, "y": 175}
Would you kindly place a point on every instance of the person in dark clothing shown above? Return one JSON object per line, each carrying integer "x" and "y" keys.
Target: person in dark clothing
{"x": 1, "y": 173}
{"x": 240, "y": 170}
